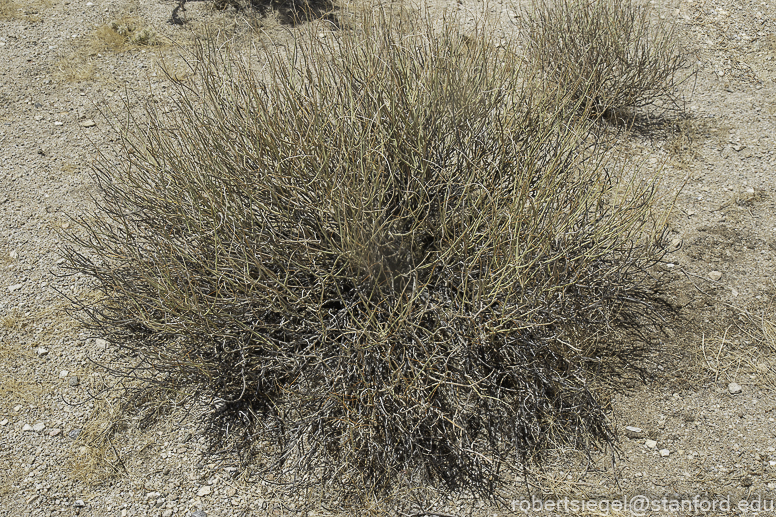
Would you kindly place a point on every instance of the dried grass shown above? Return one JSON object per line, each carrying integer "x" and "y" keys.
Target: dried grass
{"x": 30, "y": 10}
{"x": 746, "y": 350}
{"x": 616, "y": 55}
{"x": 385, "y": 258}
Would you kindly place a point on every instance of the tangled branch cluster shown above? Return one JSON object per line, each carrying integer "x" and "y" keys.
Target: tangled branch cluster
{"x": 382, "y": 256}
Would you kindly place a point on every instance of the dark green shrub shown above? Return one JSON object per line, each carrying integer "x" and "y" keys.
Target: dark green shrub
{"x": 615, "y": 54}
{"x": 379, "y": 253}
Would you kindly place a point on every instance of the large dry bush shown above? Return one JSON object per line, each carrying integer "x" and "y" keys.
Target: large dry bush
{"x": 616, "y": 55}
{"x": 381, "y": 253}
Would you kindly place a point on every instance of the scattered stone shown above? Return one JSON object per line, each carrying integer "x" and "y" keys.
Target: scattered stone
{"x": 715, "y": 275}
{"x": 231, "y": 491}
{"x": 167, "y": 513}
{"x": 652, "y": 444}
{"x": 54, "y": 432}
{"x": 18, "y": 408}
{"x": 88, "y": 123}
{"x": 41, "y": 351}
{"x": 675, "y": 244}
{"x": 664, "y": 452}
{"x": 734, "y": 388}
{"x": 39, "y": 427}
{"x": 79, "y": 503}
{"x": 27, "y": 427}
{"x": 14, "y": 254}
{"x": 198, "y": 513}
{"x": 203, "y": 491}
{"x": 63, "y": 374}
{"x": 74, "y": 381}
{"x": 100, "y": 342}
{"x": 14, "y": 287}
{"x": 74, "y": 434}
{"x": 58, "y": 123}
{"x": 4, "y": 422}
{"x": 633, "y": 432}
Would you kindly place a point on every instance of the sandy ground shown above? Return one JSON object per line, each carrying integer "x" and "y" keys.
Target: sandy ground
{"x": 700, "y": 439}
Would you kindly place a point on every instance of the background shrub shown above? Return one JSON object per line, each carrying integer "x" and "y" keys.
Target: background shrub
{"x": 383, "y": 255}
{"x": 614, "y": 54}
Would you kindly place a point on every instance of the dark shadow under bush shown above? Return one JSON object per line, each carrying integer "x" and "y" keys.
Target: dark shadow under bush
{"x": 383, "y": 257}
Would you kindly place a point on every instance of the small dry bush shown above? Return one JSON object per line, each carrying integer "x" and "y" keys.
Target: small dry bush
{"x": 30, "y": 10}
{"x": 382, "y": 255}
{"x": 615, "y": 55}
{"x": 123, "y": 34}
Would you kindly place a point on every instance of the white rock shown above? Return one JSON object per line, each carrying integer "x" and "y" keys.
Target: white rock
{"x": 715, "y": 275}
{"x": 633, "y": 429}
{"x": 63, "y": 374}
{"x": 734, "y": 388}
{"x": 39, "y": 427}
{"x": 17, "y": 408}
{"x": 15, "y": 287}
{"x": 79, "y": 503}
{"x": 652, "y": 444}
{"x": 203, "y": 491}
{"x": 27, "y": 427}
{"x": 14, "y": 254}
{"x": 664, "y": 452}
{"x": 4, "y": 422}
{"x": 41, "y": 351}
{"x": 58, "y": 123}
{"x": 88, "y": 123}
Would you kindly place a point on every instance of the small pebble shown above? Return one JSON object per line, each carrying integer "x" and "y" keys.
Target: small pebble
{"x": 734, "y": 388}
{"x": 54, "y": 432}
{"x": 14, "y": 287}
{"x": 27, "y": 427}
{"x": 652, "y": 444}
{"x": 79, "y": 503}
{"x": 63, "y": 374}
{"x": 74, "y": 381}
{"x": 74, "y": 434}
{"x": 715, "y": 275}
{"x": 198, "y": 513}
{"x": 88, "y": 123}
{"x": 664, "y": 452}
{"x": 633, "y": 432}
{"x": 39, "y": 427}
{"x": 41, "y": 351}
{"x": 203, "y": 491}
{"x": 4, "y": 422}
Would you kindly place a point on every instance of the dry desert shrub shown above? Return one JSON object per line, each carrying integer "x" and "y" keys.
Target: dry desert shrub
{"x": 381, "y": 255}
{"x": 615, "y": 55}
